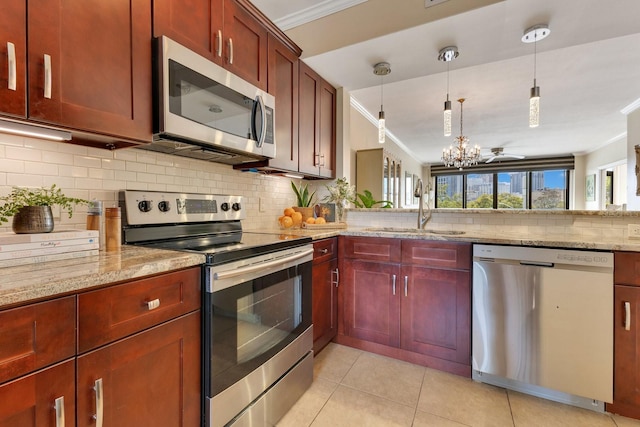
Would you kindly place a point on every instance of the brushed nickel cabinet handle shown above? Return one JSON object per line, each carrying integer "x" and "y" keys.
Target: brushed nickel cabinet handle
{"x": 230, "y": 50}
{"x": 47, "y": 76}
{"x": 627, "y": 316}
{"x": 153, "y": 304}
{"x": 59, "y": 407}
{"x": 219, "y": 43}
{"x": 337, "y": 273}
{"x": 393, "y": 279}
{"x": 406, "y": 282}
{"x": 99, "y": 416}
{"x": 316, "y": 160}
{"x": 11, "y": 54}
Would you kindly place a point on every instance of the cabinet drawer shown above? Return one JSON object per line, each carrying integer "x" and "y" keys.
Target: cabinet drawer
{"x": 626, "y": 268}
{"x": 370, "y": 248}
{"x": 437, "y": 254}
{"x": 35, "y": 336}
{"x": 115, "y": 312}
{"x": 324, "y": 250}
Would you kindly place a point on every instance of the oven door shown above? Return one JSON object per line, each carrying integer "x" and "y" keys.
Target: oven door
{"x": 257, "y": 327}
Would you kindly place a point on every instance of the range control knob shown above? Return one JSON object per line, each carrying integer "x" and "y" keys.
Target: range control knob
{"x": 145, "y": 205}
{"x": 224, "y": 206}
{"x": 235, "y": 207}
{"x": 164, "y": 206}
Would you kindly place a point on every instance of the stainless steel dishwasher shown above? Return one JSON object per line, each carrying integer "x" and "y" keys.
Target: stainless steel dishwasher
{"x": 543, "y": 322}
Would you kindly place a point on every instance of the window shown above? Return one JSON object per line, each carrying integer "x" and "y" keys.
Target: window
{"x": 546, "y": 189}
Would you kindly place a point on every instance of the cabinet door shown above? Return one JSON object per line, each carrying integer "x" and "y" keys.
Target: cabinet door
{"x": 195, "y": 24}
{"x": 371, "y": 306}
{"x": 13, "y": 36}
{"x": 309, "y": 158}
{"x": 149, "y": 379}
{"x": 325, "y": 303}
{"x": 30, "y": 401}
{"x": 436, "y": 317}
{"x": 327, "y": 129}
{"x": 245, "y": 45}
{"x": 36, "y": 335}
{"x": 626, "y": 362}
{"x": 99, "y": 79}
{"x": 283, "y": 84}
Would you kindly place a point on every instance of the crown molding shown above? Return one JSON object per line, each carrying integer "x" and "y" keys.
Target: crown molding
{"x": 312, "y": 13}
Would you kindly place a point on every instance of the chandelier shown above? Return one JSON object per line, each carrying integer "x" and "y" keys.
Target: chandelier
{"x": 461, "y": 155}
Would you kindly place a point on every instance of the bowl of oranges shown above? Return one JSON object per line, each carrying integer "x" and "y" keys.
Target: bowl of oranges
{"x": 292, "y": 219}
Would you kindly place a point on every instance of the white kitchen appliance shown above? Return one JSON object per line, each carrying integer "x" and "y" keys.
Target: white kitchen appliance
{"x": 543, "y": 322}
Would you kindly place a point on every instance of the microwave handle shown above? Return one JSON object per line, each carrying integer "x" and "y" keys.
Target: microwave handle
{"x": 263, "y": 112}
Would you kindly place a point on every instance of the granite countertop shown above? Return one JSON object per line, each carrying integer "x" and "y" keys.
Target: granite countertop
{"x": 33, "y": 282}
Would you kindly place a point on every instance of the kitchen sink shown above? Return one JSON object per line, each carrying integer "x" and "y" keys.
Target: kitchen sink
{"x": 414, "y": 231}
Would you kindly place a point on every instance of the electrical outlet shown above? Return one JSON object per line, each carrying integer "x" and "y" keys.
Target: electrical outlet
{"x": 634, "y": 231}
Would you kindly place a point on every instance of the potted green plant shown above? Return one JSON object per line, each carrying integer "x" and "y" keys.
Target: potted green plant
{"x": 31, "y": 208}
{"x": 304, "y": 200}
{"x": 366, "y": 200}
{"x": 340, "y": 193}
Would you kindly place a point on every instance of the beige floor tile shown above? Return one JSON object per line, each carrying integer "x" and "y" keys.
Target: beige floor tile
{"x": 348, "y": 407}
{"x": 463, "y": 400}
{"x": 334, "y": 361}
{"x": 389, "y": 378}
{"x": 309, "y": 405}
{"x": 534, "y": 411}
{"x": 625, "y": 422}
{"x": 425, "y": 419}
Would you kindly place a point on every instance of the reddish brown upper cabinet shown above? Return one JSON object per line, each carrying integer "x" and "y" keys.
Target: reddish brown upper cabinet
{"x": 90, "y": 67}
{"x": 409, "y": 299}
{"x": 13, "y": 58}
{"x": 317, "y": 124}
{"x": 326, "y": 279}
{"x": 283, "y": 84}
{"x": 220, "y": 30}
{"x": 626, "y": 335}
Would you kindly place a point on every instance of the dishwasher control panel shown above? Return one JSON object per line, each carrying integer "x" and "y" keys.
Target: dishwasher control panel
{"x": 543, "y": 256}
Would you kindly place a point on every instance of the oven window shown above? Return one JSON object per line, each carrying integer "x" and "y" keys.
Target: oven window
{"x": 205, "y": 101}
{"x": 252, "y": 321}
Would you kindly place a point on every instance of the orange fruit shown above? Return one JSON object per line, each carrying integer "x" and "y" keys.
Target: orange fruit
{"x": 289, "y": 211}
{"x": 287, "y": 222}
{"x": 297, "y": 217}
{"x": 311, "y": 220}
{"x": 320, "y": 220}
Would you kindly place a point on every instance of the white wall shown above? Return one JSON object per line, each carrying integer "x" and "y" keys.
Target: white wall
{"x": 91, "y": 173}
{"x": 593, "y": 163}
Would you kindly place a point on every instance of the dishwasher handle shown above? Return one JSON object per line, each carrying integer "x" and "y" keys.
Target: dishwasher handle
{"x": 538, "y": 264}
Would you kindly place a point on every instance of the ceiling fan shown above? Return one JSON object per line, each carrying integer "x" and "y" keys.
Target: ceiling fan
{"x": 498, "y": 153}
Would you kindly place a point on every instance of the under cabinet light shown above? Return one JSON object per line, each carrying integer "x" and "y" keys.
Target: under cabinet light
{"x": 16, "y": 128}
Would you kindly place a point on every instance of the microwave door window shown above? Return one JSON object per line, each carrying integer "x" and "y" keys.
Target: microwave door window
{"x": 202, "y": 100}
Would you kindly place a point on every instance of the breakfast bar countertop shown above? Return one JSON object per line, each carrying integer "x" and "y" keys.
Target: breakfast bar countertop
{"x": 38, "y": 281}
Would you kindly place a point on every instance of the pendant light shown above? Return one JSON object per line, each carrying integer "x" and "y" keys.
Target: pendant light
{"x": 447, "y": 55}
{"x": 533, "y": 35}
{"x": 381, "y": 69}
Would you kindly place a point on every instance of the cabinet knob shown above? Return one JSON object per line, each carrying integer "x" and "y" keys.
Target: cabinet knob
{"x": 324, "y": 251}
{"x": 153, "y": 304}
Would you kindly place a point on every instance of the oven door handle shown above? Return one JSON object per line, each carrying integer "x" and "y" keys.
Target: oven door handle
{"x": 261, "y": 266}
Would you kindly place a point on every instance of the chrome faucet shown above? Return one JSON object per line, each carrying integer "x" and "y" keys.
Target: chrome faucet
{"x": 419, "y": 192}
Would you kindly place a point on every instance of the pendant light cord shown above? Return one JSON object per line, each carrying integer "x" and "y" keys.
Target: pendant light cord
{"x": 461, "y": 133}
{"x": 535, "y": 56}
{"x": 447, "y": 80}
{"x": 381, "y": 92}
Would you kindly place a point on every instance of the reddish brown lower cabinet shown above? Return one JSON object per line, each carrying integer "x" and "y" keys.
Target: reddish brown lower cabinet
{"x": 408, "y": 299}
{"x": 41, "y": 399}
{"x": 326, "y": 278}
{"x": 151, "y": 378}
{"x": 626, "y": 336}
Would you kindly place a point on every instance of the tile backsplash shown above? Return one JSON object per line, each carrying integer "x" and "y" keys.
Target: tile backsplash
{"x": 92, "y": 173}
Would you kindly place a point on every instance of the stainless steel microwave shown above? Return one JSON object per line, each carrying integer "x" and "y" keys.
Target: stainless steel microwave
{"x": 203, "y": 111}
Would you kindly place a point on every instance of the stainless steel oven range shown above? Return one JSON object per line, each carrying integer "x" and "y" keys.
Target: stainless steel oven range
{"x": 257, "y": 333}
